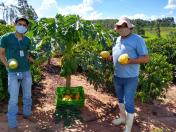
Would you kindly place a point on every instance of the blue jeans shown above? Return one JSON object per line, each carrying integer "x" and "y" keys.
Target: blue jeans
{"x": 16, "y": 79}
{"x": 125, "y": 90}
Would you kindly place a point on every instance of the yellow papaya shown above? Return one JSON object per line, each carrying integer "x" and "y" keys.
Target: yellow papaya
{"x": 67, "y": 98}
{"x": 123, "y": 59}
{"x": 105, "y": 54}
{"x": 13, "y": 64}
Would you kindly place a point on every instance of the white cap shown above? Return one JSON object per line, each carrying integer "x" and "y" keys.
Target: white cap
{"x": 124, "y": 20}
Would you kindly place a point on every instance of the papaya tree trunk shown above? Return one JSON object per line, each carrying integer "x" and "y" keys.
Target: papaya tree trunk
{"x": 49, "y": 60}
{"x": 68, "y": 81}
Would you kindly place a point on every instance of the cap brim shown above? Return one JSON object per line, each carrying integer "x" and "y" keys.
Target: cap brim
{"x": 22, "y": 18}
{"x": 120, "y": 23}
{"x": 130, "y": 25}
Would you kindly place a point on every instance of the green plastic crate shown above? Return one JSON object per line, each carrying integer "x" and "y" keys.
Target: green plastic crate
{"x": 61, "y": 91}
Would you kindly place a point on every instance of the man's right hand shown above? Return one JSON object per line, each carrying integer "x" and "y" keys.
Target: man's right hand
{"x": 6, "y": 65}
{"x": 109, "y": 58}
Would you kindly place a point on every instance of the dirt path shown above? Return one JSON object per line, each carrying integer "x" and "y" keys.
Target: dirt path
{"x": 158, "y": 116}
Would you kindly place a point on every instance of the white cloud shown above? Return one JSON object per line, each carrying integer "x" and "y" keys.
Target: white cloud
{"x": 144, "y": 17}
{"x": 85, "y": 10}
{"x": 171, "y": 4}
{"x": 9, "y": 2}
{"x": 48, "y": 8}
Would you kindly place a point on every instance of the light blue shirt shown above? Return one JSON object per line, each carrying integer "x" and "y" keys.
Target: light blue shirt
{"x": 135, "y": 47}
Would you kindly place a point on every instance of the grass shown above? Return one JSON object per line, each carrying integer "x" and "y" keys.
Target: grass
{"x": 150, "y": 33}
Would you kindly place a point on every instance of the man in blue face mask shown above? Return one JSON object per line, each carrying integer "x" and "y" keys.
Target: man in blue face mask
{"x": 15, "y": 46}
{"x": 21, "y": 25}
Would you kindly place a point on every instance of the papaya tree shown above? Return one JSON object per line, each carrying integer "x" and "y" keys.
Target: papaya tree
{"x": 68, "y": 36}
{"x": 79, "y": 42}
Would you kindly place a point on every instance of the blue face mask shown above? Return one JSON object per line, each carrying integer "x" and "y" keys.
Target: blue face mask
{"x": 21, "y": 29}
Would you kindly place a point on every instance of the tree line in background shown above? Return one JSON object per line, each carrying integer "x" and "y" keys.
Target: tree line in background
{"x": 141, "y": 24}
{"x": 164, "y": 22}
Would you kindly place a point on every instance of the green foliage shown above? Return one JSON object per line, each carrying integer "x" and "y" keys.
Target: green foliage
{"x": 106, "y": 23}
{"x": 172, "y": 35}
{"x": 154, "y": 78}
{"x": 99, "y": 72}
{"x": 68, "y": 35}
{"x": 165, "y": 47}
{"x": 85, "y": 53}
{"x": 42, "y": 34}
{"x": 68, "y": 114}
{"x": 5, "y": 29}
{"x": 75, "y": 37}
{"x": 69, "y": 66}
{"x": 157, "y": 30}
{"x": 36, "y": 74}
{"x": 139, "y": 27}
{"x": 3, "y": 82}
{"x": 3, "y": 74}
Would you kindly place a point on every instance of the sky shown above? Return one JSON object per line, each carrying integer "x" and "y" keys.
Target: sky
{"x": 104, "y": 9}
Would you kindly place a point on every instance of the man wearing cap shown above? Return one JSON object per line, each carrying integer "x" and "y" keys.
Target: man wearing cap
{"x": 16, "y": 46}
{"x": 126, "y": 74}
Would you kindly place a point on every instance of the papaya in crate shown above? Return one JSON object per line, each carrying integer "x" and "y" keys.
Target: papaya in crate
{"x": 67, "y": 98}
{"x": 74, "y": 96}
